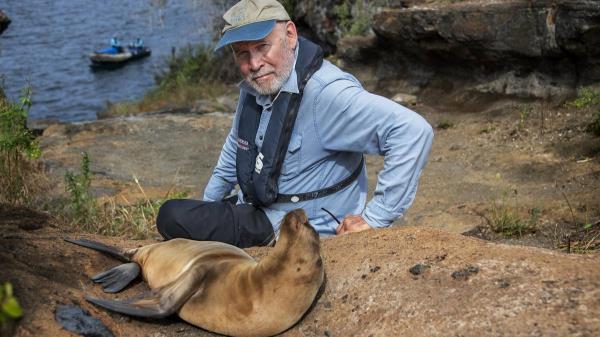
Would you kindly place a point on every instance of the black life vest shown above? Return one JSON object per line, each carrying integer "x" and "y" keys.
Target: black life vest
{"x": 258, "y": 172}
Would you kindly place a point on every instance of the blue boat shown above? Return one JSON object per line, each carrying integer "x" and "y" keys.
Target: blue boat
{"x": 117, "y": 56}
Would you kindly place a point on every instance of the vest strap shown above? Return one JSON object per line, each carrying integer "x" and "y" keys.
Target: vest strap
{"x": 324, "y": 191}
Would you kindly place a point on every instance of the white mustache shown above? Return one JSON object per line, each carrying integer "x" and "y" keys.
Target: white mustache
{"x": 259, "y": 74}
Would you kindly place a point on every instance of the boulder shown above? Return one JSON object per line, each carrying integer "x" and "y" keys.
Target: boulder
{"x": 525, "y": 49}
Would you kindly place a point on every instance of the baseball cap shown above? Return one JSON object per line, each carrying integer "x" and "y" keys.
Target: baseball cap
{"x": 251, "y": 20}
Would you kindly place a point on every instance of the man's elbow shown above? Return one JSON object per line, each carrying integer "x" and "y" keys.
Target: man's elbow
{"x": 422, "y": 129}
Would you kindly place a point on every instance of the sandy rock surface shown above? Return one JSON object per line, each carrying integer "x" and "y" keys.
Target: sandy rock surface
{"x": 464, "y": 287}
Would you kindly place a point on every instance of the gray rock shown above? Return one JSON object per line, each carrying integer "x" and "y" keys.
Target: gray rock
{"x": 405, "y": 99}
{"x": 203, "y": 106}
{"x": 468, "y": 52}
{"x": 228, "y": 102}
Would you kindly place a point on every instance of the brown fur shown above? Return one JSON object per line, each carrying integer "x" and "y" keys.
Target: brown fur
{"x": 236, "y": 295}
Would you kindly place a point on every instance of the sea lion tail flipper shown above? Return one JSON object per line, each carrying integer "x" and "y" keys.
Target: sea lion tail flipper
{"x": 106, "y": 249}
{"x": 161, "y": 302}
{"x": 117, "y": 278}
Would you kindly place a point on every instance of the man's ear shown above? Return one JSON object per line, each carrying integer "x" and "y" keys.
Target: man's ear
{"x": 291, "y": 34}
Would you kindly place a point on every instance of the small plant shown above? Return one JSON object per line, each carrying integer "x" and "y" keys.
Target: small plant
{"x": 587, "y": 97}
{"x": 444, "y": 125}
{"x": 524, "y": 114}
{"x": 17, "y": 147}
{"x": 594, "y": 126}
{"x": 587, "y": 235}
{"x": 506, "y": 219}
{"x": 84, "y": 209}
{"x": 488, "y": 129}
{"x": 10, "y": 309}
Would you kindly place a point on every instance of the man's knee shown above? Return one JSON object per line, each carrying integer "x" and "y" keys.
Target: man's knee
{"x": 166, "y": 218}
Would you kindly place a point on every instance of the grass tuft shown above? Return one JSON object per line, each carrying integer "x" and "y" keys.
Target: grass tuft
{"x": 506, "y": 218}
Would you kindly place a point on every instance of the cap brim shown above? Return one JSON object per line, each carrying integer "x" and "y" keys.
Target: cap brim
{"x": 250, "y": 32}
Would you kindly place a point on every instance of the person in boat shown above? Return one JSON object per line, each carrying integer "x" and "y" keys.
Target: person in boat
{"x": 137, "y": 45}
{"x": 116, "y": 45}
{"x": 298, "y": 137}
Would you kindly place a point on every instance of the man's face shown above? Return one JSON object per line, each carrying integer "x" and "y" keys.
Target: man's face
{"x": 266, "y": 64}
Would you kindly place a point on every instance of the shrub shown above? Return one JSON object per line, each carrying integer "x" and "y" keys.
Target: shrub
{"x": 17, "y": 146}
{"x": 587, "y": 97}
{"x": 83, "y": 209}
{"x": 353, "y": 18}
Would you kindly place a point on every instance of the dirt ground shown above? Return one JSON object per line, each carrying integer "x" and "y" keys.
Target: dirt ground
{"x": 401, "y": 281}
{"x": 530, "y": 157}
{"x": 530, "y": 162}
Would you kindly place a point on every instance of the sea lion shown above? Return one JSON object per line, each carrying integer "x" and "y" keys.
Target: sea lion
{"x": 217, "y": 286}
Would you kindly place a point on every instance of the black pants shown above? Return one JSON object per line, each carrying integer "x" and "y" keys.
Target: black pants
{"x": 240, "y": 225}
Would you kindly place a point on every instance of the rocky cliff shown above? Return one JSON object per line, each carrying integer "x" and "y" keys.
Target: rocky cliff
{"x": 4, "y": 21}
{"x": 467, "y": 50}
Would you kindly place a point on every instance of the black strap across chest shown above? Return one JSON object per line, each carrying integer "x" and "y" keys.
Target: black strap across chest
{"x": 258, "y": 172}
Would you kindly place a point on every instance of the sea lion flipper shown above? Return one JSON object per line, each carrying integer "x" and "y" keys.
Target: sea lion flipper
{"x": 99, "y": 246}
{"x": 117, "y": 278}
{"x": 161, "y": 302}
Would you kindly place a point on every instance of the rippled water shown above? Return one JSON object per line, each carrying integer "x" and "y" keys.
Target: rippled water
{"x": 48, "y": 42}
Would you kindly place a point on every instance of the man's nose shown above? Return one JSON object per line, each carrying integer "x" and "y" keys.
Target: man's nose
{"x": 256, "y": 61}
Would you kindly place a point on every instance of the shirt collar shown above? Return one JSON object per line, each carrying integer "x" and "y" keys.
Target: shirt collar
{"x": 291, "y": 85}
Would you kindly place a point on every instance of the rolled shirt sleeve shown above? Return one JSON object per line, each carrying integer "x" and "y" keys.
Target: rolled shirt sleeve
{"x": 348, "y": 118}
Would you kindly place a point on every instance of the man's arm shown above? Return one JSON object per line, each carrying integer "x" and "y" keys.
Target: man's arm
{"x": 348, "y": 118}
{"x": 224, "y": 176}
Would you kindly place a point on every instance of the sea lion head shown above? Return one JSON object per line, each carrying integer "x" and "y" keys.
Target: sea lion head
{"x": 295, "y": 225}
{"x": 299, "y": 242}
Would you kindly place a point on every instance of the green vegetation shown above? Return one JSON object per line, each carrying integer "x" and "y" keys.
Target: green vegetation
{"x": 10, "y": 309}
{"x": 193, "y": 74}
{"x": 82, "y": 206}
{"x": 586, "y": 235}
{"x": 588, "y": 98}
{"x": 17, "y": 147}
{"x": 488, "y": 129}
{"x": 290, "y": 6}
{"x": 524, "y": 113}
{"x": 83, "y": 211}
{"x": 353, "y": 18}
{"x": 444, "y": 125}
{"x": 24, "y": 183}
{"x": 507, "y": 220}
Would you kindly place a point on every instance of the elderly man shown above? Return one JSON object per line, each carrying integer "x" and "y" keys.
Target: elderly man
{"x": 298, "y": 137}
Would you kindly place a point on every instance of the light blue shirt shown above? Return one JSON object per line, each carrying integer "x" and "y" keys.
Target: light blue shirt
{"x": 337, "y": 122}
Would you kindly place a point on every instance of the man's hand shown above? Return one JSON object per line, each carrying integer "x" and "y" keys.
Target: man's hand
{"x": 351, "y": 224}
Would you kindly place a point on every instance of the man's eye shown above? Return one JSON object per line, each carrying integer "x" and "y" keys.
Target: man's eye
{"x": 264, "y": 47}
{"x": 241, "y": 55}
